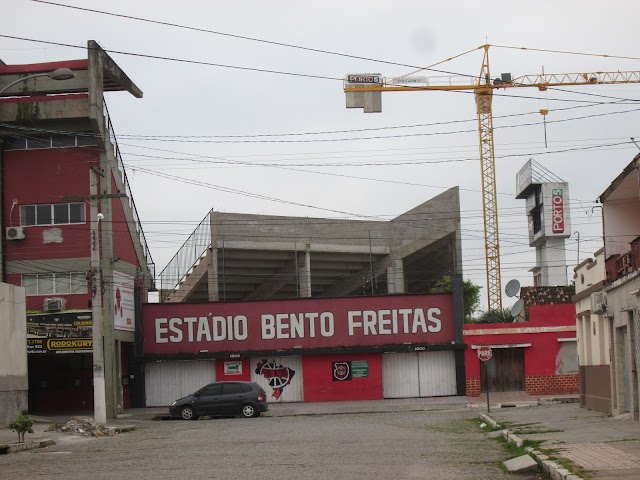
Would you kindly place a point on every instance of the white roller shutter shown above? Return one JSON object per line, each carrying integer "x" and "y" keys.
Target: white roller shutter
{"x": 437, "y": 373}
{"x": 400, "y": 375}
{"x": 283, "y": 373}
{"x": 165, "y": 382}
{"x": 420, "y": 374}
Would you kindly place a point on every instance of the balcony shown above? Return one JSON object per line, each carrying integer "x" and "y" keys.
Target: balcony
{"x": 619, "y": 265}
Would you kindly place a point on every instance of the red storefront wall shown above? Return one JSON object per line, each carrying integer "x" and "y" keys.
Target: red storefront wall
{"x": 547, "y": 324}
{"x": 320, "y": 386}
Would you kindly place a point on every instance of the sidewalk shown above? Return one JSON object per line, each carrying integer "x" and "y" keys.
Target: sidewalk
{"x": 609, "y": 448}
{"x": 606, "y": 448}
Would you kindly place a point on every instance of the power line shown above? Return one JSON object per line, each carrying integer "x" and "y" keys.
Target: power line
{"x": 180, "y": 60}
{"x": 242, "y": 37}
{"x": 565, "y": 52}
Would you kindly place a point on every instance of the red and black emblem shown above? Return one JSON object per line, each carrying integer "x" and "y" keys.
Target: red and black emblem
{"x": 276, "y": 374}
{"x": 341, "y": 371}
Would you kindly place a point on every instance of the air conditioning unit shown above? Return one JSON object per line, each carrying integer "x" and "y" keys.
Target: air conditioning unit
{"x": 53, "y": 304}
{"x": 14, "y": 233}
{"x": 598, "y": 302}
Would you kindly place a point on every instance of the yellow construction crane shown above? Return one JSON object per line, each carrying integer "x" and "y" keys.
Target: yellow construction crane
{"x": 364, "y": 91}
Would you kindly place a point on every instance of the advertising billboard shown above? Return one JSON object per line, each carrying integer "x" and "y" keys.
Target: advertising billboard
{"x": 59, "y": 333}
{"x": 123, "y": 301}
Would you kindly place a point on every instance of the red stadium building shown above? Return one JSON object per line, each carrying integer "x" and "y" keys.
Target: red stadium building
{"x": 313, "y": 350}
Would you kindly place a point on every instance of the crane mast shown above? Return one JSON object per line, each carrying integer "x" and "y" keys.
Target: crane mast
{"x": 484, "y": 97}
{"x": 364, "y": 91}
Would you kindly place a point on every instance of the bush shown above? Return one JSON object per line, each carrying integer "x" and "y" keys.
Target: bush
{"x": 22, "y": 425}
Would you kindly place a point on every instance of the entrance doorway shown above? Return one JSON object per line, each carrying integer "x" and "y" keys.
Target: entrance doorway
{"x": 505, "y": 369}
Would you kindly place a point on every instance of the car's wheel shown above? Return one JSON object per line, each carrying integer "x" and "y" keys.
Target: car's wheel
{"x": 187, "y": 413}
{"x": 249, "y": 410}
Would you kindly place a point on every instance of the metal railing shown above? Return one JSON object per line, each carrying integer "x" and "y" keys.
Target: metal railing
{"x": 187, "y": 258}
{"x": 136, "y": 219}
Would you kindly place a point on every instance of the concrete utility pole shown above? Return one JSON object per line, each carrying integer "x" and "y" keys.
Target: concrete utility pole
{"x": 99, "y": 393}
{"x": 104, "y": 359}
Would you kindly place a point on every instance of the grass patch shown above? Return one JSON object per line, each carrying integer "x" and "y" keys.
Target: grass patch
{"x": 53, "y": 427}
{"x": 515, "y": 451}
{"x": 574, "y": 468}
{"x": 456, "y": 427}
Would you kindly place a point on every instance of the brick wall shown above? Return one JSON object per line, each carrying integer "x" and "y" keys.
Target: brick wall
{"x": 553, "y": 385}
{"x": 473, "y": 387}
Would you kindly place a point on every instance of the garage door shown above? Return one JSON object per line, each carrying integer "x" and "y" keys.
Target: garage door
{"x": 420, "y": 374}
{"x": 165, "y": 382}
{"x": 281, "y": 377}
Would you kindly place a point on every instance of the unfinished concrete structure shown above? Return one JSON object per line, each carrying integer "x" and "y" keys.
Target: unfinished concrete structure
{"x": 241, "y": 257}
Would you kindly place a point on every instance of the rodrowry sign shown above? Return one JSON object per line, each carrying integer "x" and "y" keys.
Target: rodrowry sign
{"x": 292, "y": 324}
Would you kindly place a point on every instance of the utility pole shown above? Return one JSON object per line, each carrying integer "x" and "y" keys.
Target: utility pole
{"x": 103, "y": 405}
{"x": 99, "y": 393}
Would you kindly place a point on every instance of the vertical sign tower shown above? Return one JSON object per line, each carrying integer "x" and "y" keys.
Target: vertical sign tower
{"x": 548, "y": 214}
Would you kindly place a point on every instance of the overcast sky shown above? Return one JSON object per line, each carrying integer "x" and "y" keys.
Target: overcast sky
{"x": 218, "y": 129}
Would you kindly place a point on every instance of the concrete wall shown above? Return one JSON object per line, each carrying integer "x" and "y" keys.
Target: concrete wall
{"x": 14, "y": 384}
{"x": 595, "y": 388}
{"x": 593, "y": 334}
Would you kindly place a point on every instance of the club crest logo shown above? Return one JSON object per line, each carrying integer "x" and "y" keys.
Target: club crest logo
{"x": 341, "y": 371}
{"x": 276, "y": 374}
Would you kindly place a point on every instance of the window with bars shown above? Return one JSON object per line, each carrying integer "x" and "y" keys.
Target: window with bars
{"x": 67, "y": 283}
{"x": 52, "y": 214}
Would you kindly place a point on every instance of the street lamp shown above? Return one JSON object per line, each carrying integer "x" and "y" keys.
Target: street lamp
{"x": 57, "y": 74}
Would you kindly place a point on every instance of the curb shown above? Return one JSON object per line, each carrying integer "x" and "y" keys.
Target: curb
{"x": 19, "y": 447}
{"x": 552, "y": 469}
{"x": 527, "y": 403}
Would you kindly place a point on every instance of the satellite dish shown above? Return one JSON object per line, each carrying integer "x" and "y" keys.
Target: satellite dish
{"x": 512, "y": 288}
{"x": 517, "y": 308}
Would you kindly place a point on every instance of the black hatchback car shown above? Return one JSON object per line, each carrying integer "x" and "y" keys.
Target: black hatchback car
{"x": 222, "y": 398}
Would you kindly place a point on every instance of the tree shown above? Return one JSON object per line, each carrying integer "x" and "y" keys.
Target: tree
{"x": 495, "y": 316}
{"x": 22, "y": 424}
{"x": 470, "y": 291}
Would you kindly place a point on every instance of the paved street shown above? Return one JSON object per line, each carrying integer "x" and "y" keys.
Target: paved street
{"x": 438, "y": 444}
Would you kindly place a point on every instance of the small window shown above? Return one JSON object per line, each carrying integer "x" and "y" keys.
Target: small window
{"x": 30, "y": 283}
{"x": 45, "y": 284}
{"x": 78, "y": 283}
{"x": 63, "y": 284}
{"x": 28, "y": 215}
{"x": 76, "y": 213}
{"x": 14, "y": 143}
{"x": 61, "y": 213}
{"x": 63, "y": 141}
{"x": 35, "y": 142}
{"x": 86, "y": 139}
{"x": 43, "y": 215}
